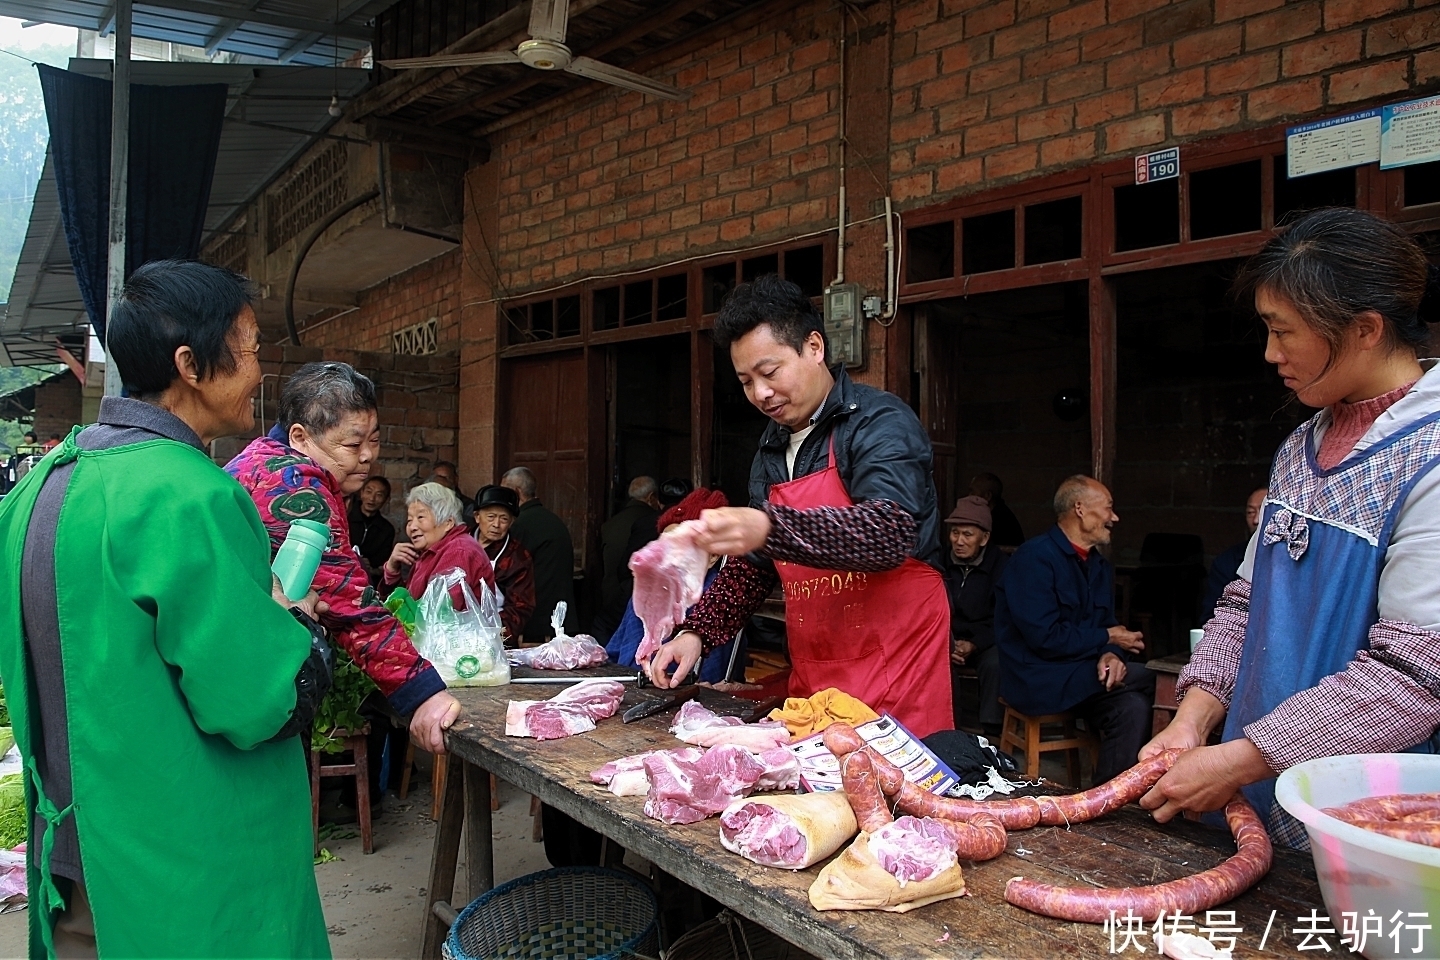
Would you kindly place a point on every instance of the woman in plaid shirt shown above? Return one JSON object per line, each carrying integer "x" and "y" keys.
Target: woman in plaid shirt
{"x": 1329, "y": 643}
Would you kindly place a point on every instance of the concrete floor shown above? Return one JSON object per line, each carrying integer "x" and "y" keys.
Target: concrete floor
{"x": 373, "y": 904}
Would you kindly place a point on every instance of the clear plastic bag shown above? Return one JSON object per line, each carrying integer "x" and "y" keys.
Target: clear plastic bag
{"x": 464, "y": 645}
{"x": 562, "y": 653}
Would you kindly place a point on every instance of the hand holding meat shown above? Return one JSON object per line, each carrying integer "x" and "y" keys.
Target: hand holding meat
{"x": 733, "y": 531}
{"x": 1205, "y": 779}
{"x": 669, "y": 578}
{"x": 683, "y": 652}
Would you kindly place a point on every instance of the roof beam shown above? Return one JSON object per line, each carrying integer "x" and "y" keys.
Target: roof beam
{"x": 306, "y": 41}
{"x": 223, "y": 31}
{"x": 232, "y": 12}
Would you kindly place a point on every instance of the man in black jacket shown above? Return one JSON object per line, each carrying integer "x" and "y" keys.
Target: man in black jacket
{"x": 972, "y": 567}
{"x": 620, "y": 536}
{"x": 547, "y": 538}
{"x": 842, "y": 513}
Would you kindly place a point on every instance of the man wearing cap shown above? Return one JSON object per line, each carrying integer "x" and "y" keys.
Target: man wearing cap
{"x": 842, "y": 515}
{"x": 495, "y": 509}
{"x": 972, "y": 568}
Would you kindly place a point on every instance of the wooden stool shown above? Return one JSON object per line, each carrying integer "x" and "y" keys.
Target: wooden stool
{"x": 437, "y": 784}
{"x": 1023, "y": 733}
{"x": 359, "y": 769}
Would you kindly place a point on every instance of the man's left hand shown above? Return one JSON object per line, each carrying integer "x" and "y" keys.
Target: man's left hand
{"x": 1206, "y": 778}
{"x": 1111, "y": 670}
{"x": 431, "y": 720}
{"x": 733, "y": 531}
{"x": 960, "y": 651}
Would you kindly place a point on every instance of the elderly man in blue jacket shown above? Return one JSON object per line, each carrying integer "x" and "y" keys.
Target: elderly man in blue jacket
{"x": 1060, "y": 645}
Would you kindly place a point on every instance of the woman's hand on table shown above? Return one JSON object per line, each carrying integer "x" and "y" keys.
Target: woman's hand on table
{"x": 684, "y": 650}
{"x": 1205, "y": 778}
{"x": 402, "y": 556}
{"x": 430, "y": 721}
{"x": 733, "y": 531}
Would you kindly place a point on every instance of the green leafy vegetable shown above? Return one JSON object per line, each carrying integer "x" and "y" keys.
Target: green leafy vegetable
{"x": 324, "y": 856}
{"x": 12, "y": 810}
{"x": 4, "y": 710}
{"x": 341, "y": 707}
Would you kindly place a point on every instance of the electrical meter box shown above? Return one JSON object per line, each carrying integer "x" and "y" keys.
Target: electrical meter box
{"x": 844, "y": 323}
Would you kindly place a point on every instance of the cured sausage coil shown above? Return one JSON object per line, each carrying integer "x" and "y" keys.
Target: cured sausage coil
{"x": 1109, "y": 796}
{"x": 1018, "y": 814}
{"x": 981, "y": 838}
{"x": 1189, "y": 895}
{"x": 857, "y": 773}
{"x": 1406, "y": 816}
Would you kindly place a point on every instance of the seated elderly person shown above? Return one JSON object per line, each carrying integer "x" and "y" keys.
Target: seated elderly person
{"x": 972, "y": 567}
{"x": 319, "y": 452}
{"x": 495, "y": 510}
{"x": 1060, "y": 646}
{"x": 439, "y": 543}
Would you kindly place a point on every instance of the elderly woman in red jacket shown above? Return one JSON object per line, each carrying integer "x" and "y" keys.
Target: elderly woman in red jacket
{"x": 438, "y": 544}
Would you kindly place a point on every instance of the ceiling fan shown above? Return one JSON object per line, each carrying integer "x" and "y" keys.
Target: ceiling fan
{"x": 546, "y": 50}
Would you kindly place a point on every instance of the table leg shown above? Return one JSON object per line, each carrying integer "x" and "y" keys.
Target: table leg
{"x": 479, "y": 838}
{"x": 443, "y": 858}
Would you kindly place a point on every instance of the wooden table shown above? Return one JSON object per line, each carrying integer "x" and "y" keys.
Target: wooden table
{"x": 1125, "y": 848}
{"x": 1167, "y": 674}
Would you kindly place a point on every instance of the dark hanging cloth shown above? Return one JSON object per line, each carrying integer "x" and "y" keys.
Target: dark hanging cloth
{"x": 174, "y": 139}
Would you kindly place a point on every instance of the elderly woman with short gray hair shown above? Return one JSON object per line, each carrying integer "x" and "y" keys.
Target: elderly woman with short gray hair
{"x": 439, "y": 543}
{"x": 320, "y": 451}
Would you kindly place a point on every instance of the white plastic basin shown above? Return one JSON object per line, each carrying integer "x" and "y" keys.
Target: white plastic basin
{"x": 1361, "y": 871}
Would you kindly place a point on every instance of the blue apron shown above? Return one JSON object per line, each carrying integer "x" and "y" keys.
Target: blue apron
{"x": 1315, "y": 587}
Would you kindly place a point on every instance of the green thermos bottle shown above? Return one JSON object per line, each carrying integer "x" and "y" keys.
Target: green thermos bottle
{"x": 299, "y": 557}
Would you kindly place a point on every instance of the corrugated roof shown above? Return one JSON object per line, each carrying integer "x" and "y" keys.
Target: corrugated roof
{"x": 291, "y": 104}
{"x": 290, "y": 31}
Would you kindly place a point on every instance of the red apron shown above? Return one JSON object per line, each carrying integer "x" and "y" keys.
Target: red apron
{"x": 882, "y": 637}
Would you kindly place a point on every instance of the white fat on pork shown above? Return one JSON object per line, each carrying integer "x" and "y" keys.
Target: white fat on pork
{"x": 913, "y": 849}
{"x": 576, "y": 710}
{"x": 669, "y": 578}
{"x": 697, "y": 724}
{"x": 1187, "y": 946}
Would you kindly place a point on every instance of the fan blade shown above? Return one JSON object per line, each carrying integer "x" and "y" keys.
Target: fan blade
{"x": 548, "y": 19}
{"x": 479, "y": 59}
{"x": 595, "y": 70}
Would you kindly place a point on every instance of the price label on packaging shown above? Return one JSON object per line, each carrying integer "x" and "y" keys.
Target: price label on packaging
{"x": 1160, "y": 165}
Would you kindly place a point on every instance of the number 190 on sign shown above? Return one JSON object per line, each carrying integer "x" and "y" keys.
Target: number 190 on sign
{"x": 1160, "y": 165}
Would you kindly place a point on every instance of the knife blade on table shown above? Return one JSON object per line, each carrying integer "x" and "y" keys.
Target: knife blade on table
{"x": 649, "y": 708}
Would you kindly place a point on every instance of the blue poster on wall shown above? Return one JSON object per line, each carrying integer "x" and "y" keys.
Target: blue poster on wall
{"x": 1410, "y": 133}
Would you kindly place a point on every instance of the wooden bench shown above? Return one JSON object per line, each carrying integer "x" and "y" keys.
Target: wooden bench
{"x": 1027, "y": 734}
{"x": 359, "y": 768}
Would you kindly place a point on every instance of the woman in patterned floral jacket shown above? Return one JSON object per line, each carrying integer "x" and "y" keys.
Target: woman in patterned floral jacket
{"x": 1329, "y": 641}
{"x": 320, "y": 452}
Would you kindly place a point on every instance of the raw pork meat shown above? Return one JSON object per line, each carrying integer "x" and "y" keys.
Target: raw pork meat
{"x": 626, "y": 777}
{"x": 763, "y": 834}
{"x": 699, "y": 725}
{"x": 669, "y": 577}
{"x": 913, "y": 849}
{"x": 689, "y": 791}
{"x": 576, "y": 710}
{"x": 562, "y": 653}
{"x": 782, "y": 769}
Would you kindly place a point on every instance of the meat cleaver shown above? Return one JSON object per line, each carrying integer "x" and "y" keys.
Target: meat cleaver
{"x": 668, "y": 702}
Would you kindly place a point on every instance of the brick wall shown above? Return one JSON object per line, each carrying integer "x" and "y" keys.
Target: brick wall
{"x": 987, "y": 92}
{"x": 57, "y": 407}
{"x": 431, "y": 289}
{"x": 418, "y": 410}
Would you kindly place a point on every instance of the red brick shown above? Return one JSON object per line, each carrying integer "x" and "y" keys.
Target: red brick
{"x": 1148, "y": 63}
{"x": 1047, "y": 60}
{"x": 1022, "y": 38}
{"x": 1369, "y": 82}
{"x": 1077, "y": 19}
{"x": 1121, "y": 10}
{"x": 1403, "y": 34}
{"x": 962, "y": 56}
{"x": 1344, "y": 13}
{"x": 1294, "y": 99}
{"x": 1294, "y": 21}
{"x": 958, "y": 175}
{"x": 988, "y": 136}
{"x": 939, "y": 150}
{"x": 1067, "y": 150}
{"x": 1176, "y": 21}
{"x": 989, "y": 18}
{"x": 912, "y": 16}
{"x": 962, "y": 113}
{"x": 1009, "y": 163}
{"x": 769, "y": 221}
{"x": 1213, "y": 114}
{"x": 1013, "y": 100}
{"x": 1112, "y": 40}
{"x": 1239, "y": 9}
{"x": 812, "y": 54}
{"x": 915, "y": 185}
{"x": 1049, "y": 122}
{"x": 913, "y": 128}
{"x": 1107, "y": 106}
{"x": 1245, "y": 73}
{"x": 1127, "y": 135}
{"x": 1030, "y": 9}
{"x": 1207, "y": 46}
{"x": 1076, "y": 82}
{"x": 992, "y": 75}
{"x": 1173, "y": 88}
{"x": 944, "y": 90}
{"x": 915, "y": 71}
{"x": 1427, "y": 66}
{"x": 1320, "y": 54}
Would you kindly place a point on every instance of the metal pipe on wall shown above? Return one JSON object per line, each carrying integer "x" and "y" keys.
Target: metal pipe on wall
{"x": 119, "y": 181}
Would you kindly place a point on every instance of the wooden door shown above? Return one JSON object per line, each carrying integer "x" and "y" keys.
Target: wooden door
{"x": 937, "y": 360}
{"x": 547, "y": 429}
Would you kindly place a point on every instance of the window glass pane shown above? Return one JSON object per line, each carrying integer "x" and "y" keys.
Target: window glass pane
{"x": 567, "y": 317}
{"x": 542, "y": 320}
{"x": 605, "y": 309}
{"x": 1422, "y": 184}
{"x": 672, "y": 297}
{"x": 519, "y": 320}
{"x": 716, "y": 283}
{"x": 1053, "y": 230}
{"x": 930, "y": 252}
{"x": 757, "y": 266}
{"x": 1333, "y": 188}
{"x": 988, "y": 242}
{"x": 1225, "y": 200}
{"x": 637, "y": 302}
{"x": 805, "y": 268}
{"x": 1147, "y": 214}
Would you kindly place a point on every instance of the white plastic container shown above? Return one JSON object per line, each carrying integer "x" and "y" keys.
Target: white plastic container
{"x": 1359, "y": 870}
